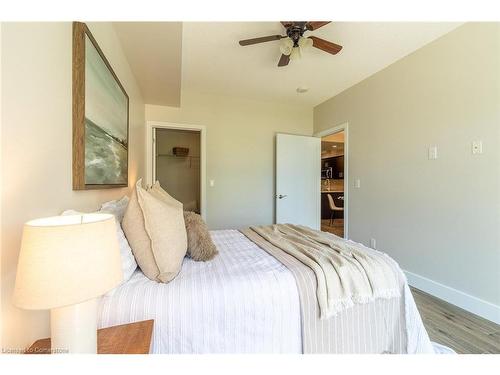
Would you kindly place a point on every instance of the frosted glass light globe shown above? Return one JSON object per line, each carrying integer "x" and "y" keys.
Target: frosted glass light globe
{"x": 305, "y": 43}
{"x": 286, "y": 46}
{"x": 295, "y": 55}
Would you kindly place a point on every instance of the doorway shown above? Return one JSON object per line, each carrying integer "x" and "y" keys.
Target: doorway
{"x": 333, "y": 180}
{"x": 177, "y": 165}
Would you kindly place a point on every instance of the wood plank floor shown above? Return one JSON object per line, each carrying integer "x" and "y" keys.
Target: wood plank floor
{"x": 336, "y": 228}
{"x": 458, "y": 329}
{"x": 446, "y": 324}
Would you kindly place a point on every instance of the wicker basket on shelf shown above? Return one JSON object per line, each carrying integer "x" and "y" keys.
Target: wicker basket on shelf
{"x": 180, "y": 151}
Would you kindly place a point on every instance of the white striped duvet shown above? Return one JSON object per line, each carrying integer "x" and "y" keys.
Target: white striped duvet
{"x": 244, "y": 301}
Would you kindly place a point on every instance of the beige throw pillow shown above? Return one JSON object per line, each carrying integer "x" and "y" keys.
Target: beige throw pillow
{"x": 200, "y": 246}
{"x": 158, "y": 192}
{"x": 164, "y": 223}
{"x": 138, "y": 238}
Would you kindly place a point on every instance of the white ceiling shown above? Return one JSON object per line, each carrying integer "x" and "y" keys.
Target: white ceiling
{"x": 214, "y": 62}
{"x": 206, "y": 57}
{"x": 154, "y": 53}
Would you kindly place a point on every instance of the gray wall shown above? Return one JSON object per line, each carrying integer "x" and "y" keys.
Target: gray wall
{"x": 438, "y": 218}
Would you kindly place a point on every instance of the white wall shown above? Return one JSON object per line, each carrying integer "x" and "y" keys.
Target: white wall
{"x": 440, "y": 219}
{"x": 240, "y": 152}
{"x": 36, "y": 145}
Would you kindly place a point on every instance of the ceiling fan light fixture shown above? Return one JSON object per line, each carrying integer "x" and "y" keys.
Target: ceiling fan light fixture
{"x": 295, "y": 55}
{"x": 293, "y": 43}
{"x": 305, "y": 43}
{"x": 286, "y": 46}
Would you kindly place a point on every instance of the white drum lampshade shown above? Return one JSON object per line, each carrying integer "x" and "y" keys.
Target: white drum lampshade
{"x": 64, "y": 264}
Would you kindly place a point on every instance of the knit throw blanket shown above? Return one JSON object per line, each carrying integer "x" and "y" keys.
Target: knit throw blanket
{"x": 345, "y": 271}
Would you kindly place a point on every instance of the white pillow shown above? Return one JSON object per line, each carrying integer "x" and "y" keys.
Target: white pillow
{"x": 128, "y": 261}
{"x": 116, "y": 207}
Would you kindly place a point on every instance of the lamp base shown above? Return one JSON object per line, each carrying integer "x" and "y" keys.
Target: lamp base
{"x": 74, "y": 328}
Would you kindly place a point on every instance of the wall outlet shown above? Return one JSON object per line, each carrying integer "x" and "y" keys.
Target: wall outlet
{"x": 373, "y": 243}
{"x": 477, "y": 147}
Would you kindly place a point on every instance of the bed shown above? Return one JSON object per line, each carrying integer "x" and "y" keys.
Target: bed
{"x": 247, "y": 301}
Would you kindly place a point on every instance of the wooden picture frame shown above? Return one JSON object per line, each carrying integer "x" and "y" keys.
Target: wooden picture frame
{"x": 100, "y": 124}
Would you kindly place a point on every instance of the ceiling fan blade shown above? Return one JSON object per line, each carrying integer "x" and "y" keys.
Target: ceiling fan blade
{"x": 325, "y": 45}
{"x": 314, "y": 25}
{"x": 263, "y": 39}
{"x": 284, "y": 60}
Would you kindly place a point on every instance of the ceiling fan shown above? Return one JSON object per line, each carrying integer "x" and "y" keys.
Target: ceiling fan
{"x": 294, "y": 41}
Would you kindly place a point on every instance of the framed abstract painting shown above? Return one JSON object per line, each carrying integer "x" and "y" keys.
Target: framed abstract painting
{"x": 100, "y": 117}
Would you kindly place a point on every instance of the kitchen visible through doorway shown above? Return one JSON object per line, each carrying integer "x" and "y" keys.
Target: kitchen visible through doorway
{"x": 332, "y": 183}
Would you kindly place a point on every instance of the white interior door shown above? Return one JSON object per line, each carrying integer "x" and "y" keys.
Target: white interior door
{"x": 298, "y": 179}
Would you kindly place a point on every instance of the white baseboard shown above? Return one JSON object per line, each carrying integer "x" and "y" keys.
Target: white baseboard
{"x": 463, "y": 300}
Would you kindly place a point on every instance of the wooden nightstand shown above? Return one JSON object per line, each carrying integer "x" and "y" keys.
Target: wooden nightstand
{"x": 132, "y": 338}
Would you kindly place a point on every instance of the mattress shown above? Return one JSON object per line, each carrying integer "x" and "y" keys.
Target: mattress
{"x": 246, "y": 301}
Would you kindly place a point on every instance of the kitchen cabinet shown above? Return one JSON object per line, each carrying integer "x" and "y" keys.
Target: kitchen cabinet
{"x": 337, "y": 165}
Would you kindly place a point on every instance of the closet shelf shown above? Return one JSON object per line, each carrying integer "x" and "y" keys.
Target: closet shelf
{"x": 178, "y": 157}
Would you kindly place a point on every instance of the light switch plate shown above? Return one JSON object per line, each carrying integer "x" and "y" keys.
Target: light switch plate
{"x": 433, "y": 152}
{"x": 212, "y": 183}
{"x": 477, "y": 147}
{"x": 357, "y": 183}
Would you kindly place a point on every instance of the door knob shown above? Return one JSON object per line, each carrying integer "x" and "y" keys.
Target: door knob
{"x": 281, "y": 196}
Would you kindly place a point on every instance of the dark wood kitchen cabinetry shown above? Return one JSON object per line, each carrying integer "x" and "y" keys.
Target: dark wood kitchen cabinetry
{"x": 337, "y": 165}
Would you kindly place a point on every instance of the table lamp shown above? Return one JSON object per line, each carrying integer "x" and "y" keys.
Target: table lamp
{"x": 65, "y": 263}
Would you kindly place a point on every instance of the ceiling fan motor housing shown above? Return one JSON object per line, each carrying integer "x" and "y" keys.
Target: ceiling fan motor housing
{"x": 296, "y": 31}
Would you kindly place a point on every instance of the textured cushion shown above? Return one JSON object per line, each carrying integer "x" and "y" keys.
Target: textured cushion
{"x": 164, "y": 223}
{"x": 127, "y": 258}
{"x": 116, "y": 207}
{"x": 191, "y": 206}
{"x": 133, "y": 226}
{"x": 200, "y": 244}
